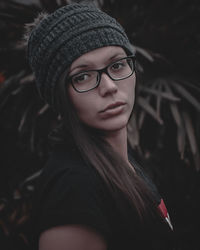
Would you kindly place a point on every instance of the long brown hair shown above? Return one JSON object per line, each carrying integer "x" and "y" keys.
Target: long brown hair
{"x": 114, "y": 171}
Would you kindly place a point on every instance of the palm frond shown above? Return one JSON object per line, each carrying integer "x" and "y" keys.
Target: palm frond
{"x": 144, "y": 104}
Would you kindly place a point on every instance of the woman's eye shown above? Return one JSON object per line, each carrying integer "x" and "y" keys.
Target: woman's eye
{"x": 118, "y": 65}
{"x": 81, "y": 78}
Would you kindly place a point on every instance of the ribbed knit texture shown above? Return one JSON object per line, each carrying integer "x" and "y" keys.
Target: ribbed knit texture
{"x": 63, "y": 36}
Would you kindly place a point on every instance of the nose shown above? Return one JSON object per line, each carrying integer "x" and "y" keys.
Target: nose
{"x": 107, "y": 85}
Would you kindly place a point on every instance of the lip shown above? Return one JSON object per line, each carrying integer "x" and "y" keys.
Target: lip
{"x": 112, "y": 110}
{"x": 112, "y": 106}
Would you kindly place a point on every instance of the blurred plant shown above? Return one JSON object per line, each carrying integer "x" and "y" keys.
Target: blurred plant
{"x": 167, "y": 97}
{"x": 181, "y": 98}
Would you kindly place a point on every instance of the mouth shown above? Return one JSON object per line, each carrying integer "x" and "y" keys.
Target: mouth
{"x": 112, "y": 106}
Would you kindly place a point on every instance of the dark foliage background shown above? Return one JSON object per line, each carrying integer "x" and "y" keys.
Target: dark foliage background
{"x": 166, "y": 134}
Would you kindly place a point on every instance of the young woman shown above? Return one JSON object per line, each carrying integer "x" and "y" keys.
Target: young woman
{"x": 92, "y": 194}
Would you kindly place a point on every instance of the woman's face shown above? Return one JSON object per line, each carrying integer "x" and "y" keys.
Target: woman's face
{"x": 107, "y": 107}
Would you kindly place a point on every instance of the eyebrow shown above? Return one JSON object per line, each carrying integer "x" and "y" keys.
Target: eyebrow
{"x": 87, "y": 64}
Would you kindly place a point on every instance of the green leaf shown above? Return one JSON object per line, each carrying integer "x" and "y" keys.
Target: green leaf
{"x": 43, "y": 109}
{"x": 163, "y": 94}
{"x": 158, "y": 100}
{"x": 187, "y": 95}
{"x": 181, "y": 140}
{"x": 144, "y": 53}
{"x": 190, "y": 132}
{"x": 180, "y": 129}
{"x": 148, "y": 108}
{"x": 141, "y": 119}
{"x": 176, "y": 114}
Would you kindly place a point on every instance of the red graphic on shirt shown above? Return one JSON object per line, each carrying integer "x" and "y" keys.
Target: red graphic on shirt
{"x": 163, "y": 210}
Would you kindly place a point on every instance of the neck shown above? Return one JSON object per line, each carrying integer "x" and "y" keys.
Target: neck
{"x": 118, "y": 140}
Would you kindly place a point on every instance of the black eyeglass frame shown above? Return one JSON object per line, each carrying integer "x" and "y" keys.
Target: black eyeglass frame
{"x": 100, "y": 71}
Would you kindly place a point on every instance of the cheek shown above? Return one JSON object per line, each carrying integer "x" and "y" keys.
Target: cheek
{"x": 130, "y": 90}
{"x": 82, "y": 103}
{"x": 76, "y": 100}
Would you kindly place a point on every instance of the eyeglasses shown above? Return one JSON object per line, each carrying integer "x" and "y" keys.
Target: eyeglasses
{"x": 90, "y": 79}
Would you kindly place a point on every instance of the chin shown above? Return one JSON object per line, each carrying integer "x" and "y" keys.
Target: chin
{"x": 113, "y": 125}
{"x": 110, "y": 125}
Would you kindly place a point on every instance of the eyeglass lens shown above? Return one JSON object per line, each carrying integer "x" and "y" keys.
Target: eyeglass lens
{"x": 88, "y": 80}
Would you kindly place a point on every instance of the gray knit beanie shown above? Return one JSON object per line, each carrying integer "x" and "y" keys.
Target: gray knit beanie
{"x": 65, "y": 35}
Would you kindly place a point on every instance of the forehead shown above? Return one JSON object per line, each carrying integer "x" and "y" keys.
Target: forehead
{"x": 99, "y": 56}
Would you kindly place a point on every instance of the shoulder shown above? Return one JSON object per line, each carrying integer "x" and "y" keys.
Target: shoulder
{"x": 62, "y": 158}
{"x": 69, "y": 192}
{"x": 66, "y": 176}
{"x": 64, "y": 166}
{"x": 76, "y": 237}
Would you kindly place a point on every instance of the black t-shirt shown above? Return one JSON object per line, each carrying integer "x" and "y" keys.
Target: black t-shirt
{"x": 71, "y": 192}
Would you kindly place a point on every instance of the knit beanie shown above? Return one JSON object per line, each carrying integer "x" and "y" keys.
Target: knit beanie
{"x": 66, "y": 34}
